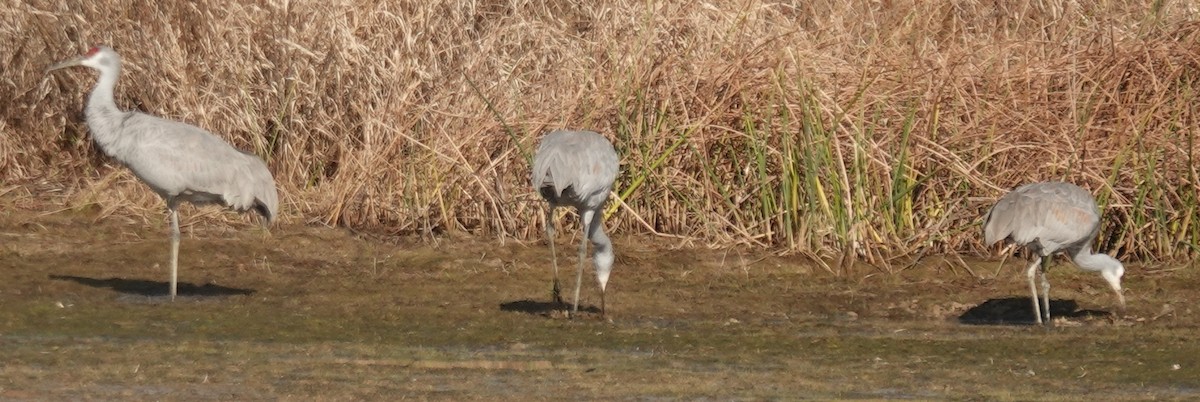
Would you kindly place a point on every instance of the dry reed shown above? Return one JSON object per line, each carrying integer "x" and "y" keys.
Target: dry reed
{"x": 876, "y": 129}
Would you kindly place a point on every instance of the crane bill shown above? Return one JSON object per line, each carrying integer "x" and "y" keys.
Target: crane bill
{"x": 64, "y": 64}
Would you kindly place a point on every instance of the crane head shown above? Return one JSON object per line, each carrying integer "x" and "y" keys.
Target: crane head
{"x": 99, "y": 57}
{"x": 1113, "y": 275}
{"x": 603, "y": 259}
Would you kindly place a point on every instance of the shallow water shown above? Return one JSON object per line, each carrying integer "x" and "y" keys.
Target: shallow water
{"x": 310, "y": 312}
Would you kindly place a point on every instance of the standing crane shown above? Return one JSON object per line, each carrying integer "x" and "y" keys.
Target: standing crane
{"x": 1047, "y": 218}
{"x": 577, "y": 169}
{"x": 179, "y": 161}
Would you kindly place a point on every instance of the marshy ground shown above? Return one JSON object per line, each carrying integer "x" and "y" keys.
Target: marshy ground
{"x": 311, "y": 312}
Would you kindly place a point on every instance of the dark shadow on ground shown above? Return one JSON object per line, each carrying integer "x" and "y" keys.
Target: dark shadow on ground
{"x": 543, "y": 308}
{"x": 1019, "y": 310}
{"x": 154, "y": 288}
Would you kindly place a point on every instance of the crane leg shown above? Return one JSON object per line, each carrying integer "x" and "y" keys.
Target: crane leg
{"x": 586, "y": 219}
{"x": 555, "y": 292}
{"x": 174, "y": 251}
{"x": 1045, "y": 287}
{"x": 1031, "y": 273}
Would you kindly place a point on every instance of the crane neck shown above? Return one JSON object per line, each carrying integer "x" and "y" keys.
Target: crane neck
{"x": 103, "y": 117}
{"x": 1109, "y": 268}
{"x": 102, "y": 94}
{"x": 602, "y": 251}
{"x": 1095, "y": 262}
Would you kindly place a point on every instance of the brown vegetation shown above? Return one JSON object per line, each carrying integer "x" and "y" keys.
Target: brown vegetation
{"x": 883, "y": 128}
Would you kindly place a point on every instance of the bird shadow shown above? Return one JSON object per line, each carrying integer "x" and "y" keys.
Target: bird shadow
{"x": 141, "y": 287}
{"x": 543, "y": 308}
{"x": 1019, "y": 310}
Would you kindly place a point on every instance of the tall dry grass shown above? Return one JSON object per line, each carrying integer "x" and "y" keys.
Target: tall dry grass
{"x": 875, "y": 129}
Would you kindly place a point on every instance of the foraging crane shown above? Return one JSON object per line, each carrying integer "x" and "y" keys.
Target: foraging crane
{"x": 1047, "y": 218}
{"x": 577, "y": 169}
{"x": 179, "y": 161}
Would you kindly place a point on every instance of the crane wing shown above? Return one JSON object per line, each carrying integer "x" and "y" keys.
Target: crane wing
{"x": 582, "y": 161}
{"x": 1054, "y": 214}
{"x": 181, "y": 160}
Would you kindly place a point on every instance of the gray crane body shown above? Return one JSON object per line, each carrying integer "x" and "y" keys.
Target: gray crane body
{"x": 1048, "y": 218}
{"x": 178, "y": 161}
{"x": 577, "y": 169}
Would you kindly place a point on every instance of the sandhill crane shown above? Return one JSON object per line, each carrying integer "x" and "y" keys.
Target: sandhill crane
{"x": 577, "y": 169}
{"x": 1047, "y": 218}
{"x": 179, "y": 161}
